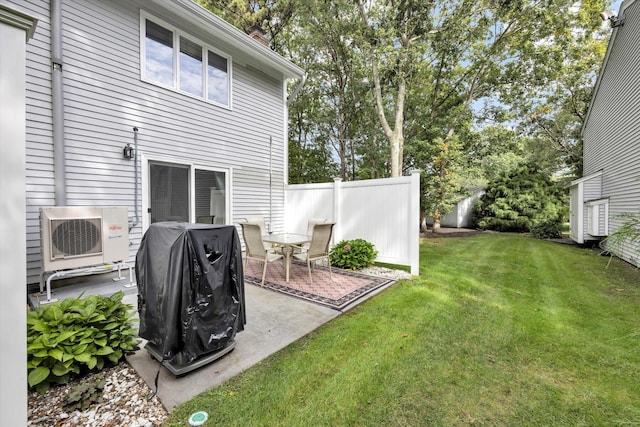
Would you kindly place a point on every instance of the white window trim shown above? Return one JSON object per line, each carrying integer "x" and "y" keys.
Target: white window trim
{"x": 177, "y": 33}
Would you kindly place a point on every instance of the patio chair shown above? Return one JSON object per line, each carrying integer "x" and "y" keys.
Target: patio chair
{"x": 255, "y": 248}
{"x": 259, "y": 220}
{"x": 318, "y": 247}
{"x": 206, "y": 219}
{"x": 310, "y": 224}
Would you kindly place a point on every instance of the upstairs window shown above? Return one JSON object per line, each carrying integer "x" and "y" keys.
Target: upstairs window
{"x": 159, "y": 58}
{"x": 190, "y": 62}
{"x": 180, "y": 62}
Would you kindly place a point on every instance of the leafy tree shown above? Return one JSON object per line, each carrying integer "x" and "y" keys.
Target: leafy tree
{"x": 442, "y": 180}
{"x": 270, "y": 16}
{"x": 553, "y": 83}
{"x": 491, "y": 151}
{"x": 392, "y": 37}
{"x": 396, "y": 85}
{"x": 335, "y": 106}
{"x": 519, "y": 199}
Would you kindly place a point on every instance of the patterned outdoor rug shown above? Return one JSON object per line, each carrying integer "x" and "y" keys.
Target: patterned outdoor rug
{"x": 345, "y": 288}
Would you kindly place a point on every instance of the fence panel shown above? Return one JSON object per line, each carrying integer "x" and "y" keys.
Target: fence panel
{"x": 384, "y": 212}
{"x": 304, "y": 201}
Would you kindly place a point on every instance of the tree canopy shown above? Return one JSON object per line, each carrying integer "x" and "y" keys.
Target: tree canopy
{"x": 461, "y": 89}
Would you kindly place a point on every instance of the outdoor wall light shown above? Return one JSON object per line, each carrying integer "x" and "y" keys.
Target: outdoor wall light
{"x": 610, "y": 15}
{"x": 127, "y": 151}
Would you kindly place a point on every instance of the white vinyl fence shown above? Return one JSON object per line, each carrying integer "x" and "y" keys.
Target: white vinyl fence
{"x": 385, "y": 212}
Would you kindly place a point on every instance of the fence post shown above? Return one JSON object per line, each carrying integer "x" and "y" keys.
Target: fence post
{"x": 16, "y": 29}
{"x": 337, "y": 209}
{"x": 413, "y": 222}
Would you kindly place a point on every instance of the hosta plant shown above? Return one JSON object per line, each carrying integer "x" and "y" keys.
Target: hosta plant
{"x": 77, "y": 335}
{"x": 353, "y": 254}
{"x": 85, "y": 395}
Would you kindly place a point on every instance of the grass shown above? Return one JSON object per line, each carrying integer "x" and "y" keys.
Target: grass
{"x": 497, "y": 330}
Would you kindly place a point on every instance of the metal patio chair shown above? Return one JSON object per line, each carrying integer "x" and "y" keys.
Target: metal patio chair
{"x": 310, "y": 224}
{"x": 318, "y": 247}
{"x": 255, "y": 248}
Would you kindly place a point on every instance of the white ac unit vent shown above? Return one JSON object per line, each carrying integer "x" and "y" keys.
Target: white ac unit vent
{"x": 79, "y": 236}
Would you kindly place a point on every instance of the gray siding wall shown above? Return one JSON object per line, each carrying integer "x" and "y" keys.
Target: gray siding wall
{"x": 612, "y": 132}
{"x": 105, "y": 98}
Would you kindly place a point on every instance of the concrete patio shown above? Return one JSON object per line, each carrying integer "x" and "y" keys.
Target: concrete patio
{"x": 274, "y": 320}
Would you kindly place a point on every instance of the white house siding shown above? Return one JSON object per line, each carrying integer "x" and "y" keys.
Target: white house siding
{"x": 612, "y": 131}
{"x": 104, "y": 99}
{"x": 39, "y": 150}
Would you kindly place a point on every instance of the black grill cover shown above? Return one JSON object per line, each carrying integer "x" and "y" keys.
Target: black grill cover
{"x": 190, "y": 288}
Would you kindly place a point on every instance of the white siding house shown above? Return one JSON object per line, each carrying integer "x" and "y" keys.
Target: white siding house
{"x": 611, "y": 182}
{"x": 201, "y": 107}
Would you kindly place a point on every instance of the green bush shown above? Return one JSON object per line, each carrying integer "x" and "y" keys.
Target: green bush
{"x": 77, "y": 335}
{"x": 518, "y": 199}
{"x": 353, "y": 254}
{"x": 547, "y": 230}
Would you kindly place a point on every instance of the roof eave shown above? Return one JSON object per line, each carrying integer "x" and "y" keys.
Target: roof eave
{"x": 623, "y": 6}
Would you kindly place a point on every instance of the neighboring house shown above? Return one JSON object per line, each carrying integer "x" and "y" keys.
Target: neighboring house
{"x": 199, "y": 107}
{"x": 611, "y": 182}
{"x": 461, "y": 214}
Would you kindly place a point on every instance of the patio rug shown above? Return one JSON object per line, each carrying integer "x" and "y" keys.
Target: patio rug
{"x": 345, "y": 288}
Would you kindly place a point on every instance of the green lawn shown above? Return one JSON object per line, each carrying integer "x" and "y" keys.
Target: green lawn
{"x": 498, "y": 330}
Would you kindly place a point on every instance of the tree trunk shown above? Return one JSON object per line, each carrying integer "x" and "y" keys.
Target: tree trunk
{"x": 436, "y": 224}
{"x": 423, "y": 220}
{"x": 395, "y": 136}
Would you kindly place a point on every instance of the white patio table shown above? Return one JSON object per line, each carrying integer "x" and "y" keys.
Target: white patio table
{"x": 287, "y": 240}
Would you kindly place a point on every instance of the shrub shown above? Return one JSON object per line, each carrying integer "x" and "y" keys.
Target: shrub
{"x": 518, "y": 199}
{"x": 77, "y": 335}
{"x": 353, "y": 254}
{"x": 547, "y": 230}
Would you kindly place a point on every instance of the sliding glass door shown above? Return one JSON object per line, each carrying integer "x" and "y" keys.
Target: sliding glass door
{"x": 210, "y": 194}
{"x": 186, "y": 193}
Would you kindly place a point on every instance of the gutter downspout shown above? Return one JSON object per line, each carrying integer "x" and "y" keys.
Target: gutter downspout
{"x": 135, "y": 179}
{"x": 270, "y": 228}
{"x": 57, "y": 104}
{"x": 297, "y": 90}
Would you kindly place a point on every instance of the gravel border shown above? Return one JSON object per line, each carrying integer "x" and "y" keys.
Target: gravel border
{"x": 126, "y": 401}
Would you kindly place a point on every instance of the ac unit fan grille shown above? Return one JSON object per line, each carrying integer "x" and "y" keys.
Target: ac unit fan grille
{"x": 75, "y": 237}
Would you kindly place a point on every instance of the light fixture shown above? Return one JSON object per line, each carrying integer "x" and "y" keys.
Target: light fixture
{"x": 613, "y": 19}
{"x": 127, "y": 151}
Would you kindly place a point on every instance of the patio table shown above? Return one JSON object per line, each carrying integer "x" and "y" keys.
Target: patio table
{"x": 287, "y": 240}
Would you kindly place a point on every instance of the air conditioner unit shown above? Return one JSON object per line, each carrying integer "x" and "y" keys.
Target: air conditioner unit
{"x": 79, "y": 236}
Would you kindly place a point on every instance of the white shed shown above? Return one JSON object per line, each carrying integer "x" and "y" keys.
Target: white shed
{"x": 461, "y": 214}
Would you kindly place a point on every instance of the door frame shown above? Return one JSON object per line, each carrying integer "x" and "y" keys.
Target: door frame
{"x": 146, "y": 159}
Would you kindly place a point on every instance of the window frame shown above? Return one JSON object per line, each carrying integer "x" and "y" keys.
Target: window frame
{"x": 177, "y": 35}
